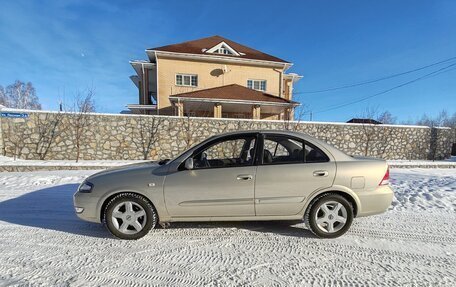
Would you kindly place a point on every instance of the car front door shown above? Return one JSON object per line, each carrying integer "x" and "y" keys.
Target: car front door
{"x": 289, "y": 171}
{"x": 221, "y": 182}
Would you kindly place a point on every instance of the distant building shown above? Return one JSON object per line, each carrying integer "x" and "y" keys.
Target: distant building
{"x": 364, "y": 121}
{"x": 214, "y": 77}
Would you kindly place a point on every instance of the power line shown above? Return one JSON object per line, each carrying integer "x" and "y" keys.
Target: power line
{"x": 376, "y": 80}
{"x": 434, "y": 73}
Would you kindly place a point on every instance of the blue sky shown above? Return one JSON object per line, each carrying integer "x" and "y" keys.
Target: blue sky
{"x": 66, "y": 46}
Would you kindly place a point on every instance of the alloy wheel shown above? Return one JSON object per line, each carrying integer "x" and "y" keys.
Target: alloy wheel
{"x": 331, "y": 217}
{"x": 129, "y": 217}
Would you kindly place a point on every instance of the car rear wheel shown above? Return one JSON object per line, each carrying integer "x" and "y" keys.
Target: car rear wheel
{"x": 329, "y": 216}
{"x": 130, "y": 216}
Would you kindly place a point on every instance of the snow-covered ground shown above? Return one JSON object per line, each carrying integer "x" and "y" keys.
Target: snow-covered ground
{"x": 9, "y": 161}
{"x": 43, "y": 243}
{"x": 447, "y": 163}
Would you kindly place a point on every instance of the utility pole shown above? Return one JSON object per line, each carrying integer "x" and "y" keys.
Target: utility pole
{"x": 310, "y": 115}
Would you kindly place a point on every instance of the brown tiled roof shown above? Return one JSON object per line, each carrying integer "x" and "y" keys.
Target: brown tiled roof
{"x": 233, "y": 92}
{"x": 198, "y": 46}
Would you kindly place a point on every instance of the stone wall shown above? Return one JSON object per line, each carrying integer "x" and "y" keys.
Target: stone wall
{"x": 52, "y": 135}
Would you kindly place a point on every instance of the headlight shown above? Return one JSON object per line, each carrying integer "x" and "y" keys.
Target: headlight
{"x": 85, "y": 187}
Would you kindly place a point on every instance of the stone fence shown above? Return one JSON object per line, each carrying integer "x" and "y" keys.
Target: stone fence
{"x": 53, "y": 135}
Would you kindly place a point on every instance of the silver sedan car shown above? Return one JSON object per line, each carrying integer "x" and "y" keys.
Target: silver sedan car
{"x": 249, "y": 175}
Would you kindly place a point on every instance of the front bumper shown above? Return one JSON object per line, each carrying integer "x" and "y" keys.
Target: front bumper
{"x": 86, "y": 206}
{"x": 376, "y": 201}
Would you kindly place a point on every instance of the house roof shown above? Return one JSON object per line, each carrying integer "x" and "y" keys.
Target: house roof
{"x": 234, "y": 92}
{"x": 200, "y": 46}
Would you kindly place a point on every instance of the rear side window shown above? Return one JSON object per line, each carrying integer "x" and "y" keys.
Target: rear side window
{"x": 280, "y": 149}
{"x": 314, "y": 154}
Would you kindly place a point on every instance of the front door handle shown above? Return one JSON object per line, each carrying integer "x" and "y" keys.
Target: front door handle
{"x": 244, "y": 177}
{"x": 320, "y": 173}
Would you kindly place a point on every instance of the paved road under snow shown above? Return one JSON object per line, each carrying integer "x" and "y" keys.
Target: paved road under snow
{"x": 43, "y": 243}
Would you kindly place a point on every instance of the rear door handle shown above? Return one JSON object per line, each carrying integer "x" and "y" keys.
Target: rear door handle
{"x": 244, "y": 177}
{"x": 320, "y": 173}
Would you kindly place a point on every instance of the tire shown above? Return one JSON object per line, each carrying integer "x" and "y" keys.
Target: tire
{"x": 329, "y": 215}
{"x": 129, "y": 216}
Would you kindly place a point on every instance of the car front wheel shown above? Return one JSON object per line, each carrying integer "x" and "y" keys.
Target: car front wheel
{"x": 329, "y": 216}
{"x": 130, "y": 216}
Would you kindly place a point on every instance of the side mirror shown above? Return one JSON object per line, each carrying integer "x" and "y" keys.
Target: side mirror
{"x": 189, "y": 163}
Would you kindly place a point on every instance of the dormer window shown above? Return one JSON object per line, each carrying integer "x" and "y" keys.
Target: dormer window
{"x": 223, "y": 49}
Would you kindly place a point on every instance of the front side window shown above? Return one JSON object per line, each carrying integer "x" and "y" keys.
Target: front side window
{"x": 259, "y": 85}
{"x": 187, "y": 80}
{"x": 227, "y": 153}
{"x": 283, "y": 150}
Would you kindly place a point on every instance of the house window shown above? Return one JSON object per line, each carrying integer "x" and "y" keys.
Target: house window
{"x": 187, "y": 80}
{"x": 223, "y": 50}
{"x": 259, "y": 85}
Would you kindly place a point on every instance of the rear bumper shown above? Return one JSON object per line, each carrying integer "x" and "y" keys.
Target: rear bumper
{"x": 376, "y": 201}
{"x": 86, "y": 206}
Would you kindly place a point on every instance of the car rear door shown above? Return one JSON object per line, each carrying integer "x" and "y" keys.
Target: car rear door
{"x": 289, "y": 171}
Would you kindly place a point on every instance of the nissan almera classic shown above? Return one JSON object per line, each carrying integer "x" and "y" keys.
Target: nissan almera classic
{"x": 249, "y": 175}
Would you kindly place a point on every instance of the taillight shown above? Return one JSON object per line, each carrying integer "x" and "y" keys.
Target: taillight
{"x": 386, "y": 177}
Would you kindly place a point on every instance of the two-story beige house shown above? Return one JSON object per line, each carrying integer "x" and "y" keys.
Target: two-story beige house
{"x": 214, "y": 77}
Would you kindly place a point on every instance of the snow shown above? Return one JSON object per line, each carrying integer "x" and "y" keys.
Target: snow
{"x": 42, "y": 242}
{"x": 9, "y": 161}
{"x": 447, "y": 163}
{"x": 424, "y": 189}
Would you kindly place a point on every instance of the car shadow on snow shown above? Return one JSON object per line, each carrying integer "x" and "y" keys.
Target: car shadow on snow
{"x": 49, "y": 208}
{"x": 52, "y": 208}
{"x": 283, "y": 228}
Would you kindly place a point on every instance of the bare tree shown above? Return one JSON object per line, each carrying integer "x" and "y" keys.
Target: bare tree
{"x": 451, "y": 123}
{"x": 441, "y": 120}
{"x": 3, "y": 98}
{"x": 386, "y": 118}
{"x": 376, "y": 137}
{"x": 148, "y": 134}
{"x": 186, "y": 129}
{"x": 21, "y": 96}
{"x": 368, "y": 129}
{"x": 16, "y": 140}
{"x": 84, "y": 104}
{"x": 48, "y": 126}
